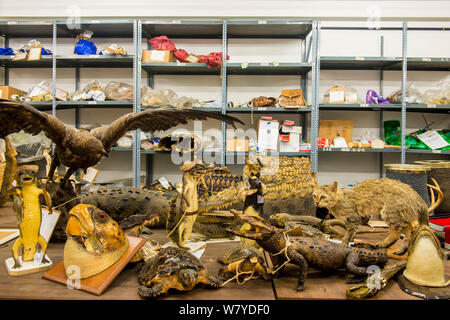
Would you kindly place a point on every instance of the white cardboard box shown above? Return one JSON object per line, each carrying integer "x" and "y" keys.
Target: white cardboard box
{"x": 293, "y": 145}
{"x": 268, "y": 135}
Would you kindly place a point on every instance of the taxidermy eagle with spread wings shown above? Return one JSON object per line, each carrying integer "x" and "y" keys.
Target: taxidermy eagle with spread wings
{"x": 84, "y": 148}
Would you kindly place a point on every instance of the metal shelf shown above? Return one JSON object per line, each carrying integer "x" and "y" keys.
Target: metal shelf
{"x": 26, "y": 29}
{"x": 44, "y": 62}
{"x": 429, "y": 108}
{"x": 360, "y": 63}
{"x": 267, "y": 110}
{"x": 428, "y": 64}
{"x": 281, "y": 154}
{"x": 179, "y": 68}
{"x": 369, "y": 150}
{"x": 182, "y": 29}
{"x": 94, "y": 61}
{"x": 269, "y": 29}
{"x": 261, "y": 68}
{"x": 426, "y": 151}
{"x": 63, "y": 105}
{"x": 360, "y": 107}
{"x": 211, "y": 109}
{"x": 101, "y": 28}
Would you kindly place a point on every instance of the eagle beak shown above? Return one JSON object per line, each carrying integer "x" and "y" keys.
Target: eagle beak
{"x": 104, "y": 153}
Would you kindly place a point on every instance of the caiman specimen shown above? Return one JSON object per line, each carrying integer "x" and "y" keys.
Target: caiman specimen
{"x": 309, "y": 252}
{"x": 28, "y": 210}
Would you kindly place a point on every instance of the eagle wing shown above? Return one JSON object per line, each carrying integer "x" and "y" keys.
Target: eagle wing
{"x": 17, "y": 116}
{"x": 154, "y": 120}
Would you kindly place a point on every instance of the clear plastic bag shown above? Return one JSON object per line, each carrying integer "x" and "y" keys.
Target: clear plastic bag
{"x": 92, "y": 91}
{"x": 118, "y": 91}
{"x": 412, "y": 95}
{"x": 439, "y": 95}
{"x": 41, "y": 88}
{"x": 157, "y": 97}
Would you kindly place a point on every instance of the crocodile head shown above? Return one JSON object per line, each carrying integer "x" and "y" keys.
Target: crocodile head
{"x": 94, "y": 240}
{"x": 267, "y": 236}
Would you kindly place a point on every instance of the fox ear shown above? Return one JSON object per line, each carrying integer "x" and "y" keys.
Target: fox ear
{"x": 333, "y": 187}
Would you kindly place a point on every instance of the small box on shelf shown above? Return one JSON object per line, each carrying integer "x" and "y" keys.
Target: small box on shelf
{"x": 157, "y": 56}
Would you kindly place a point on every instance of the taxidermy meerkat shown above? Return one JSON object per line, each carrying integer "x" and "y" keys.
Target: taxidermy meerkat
{"x": 402, "y": 208}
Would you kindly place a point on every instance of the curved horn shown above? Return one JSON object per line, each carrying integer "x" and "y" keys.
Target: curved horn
{"x": 435, "y": 204}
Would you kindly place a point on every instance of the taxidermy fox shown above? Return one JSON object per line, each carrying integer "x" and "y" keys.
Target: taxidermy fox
{"x": 402, "y": 208}
{"x": 254, "y": 195}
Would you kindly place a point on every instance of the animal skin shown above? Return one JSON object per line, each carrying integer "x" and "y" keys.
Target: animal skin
{"x": 309, "y": 252}
{"x": 82, "y": 148}
{"x": 402, "y": 208}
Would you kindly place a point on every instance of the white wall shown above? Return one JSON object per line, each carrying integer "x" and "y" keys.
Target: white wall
{"x": 332, "y": 166}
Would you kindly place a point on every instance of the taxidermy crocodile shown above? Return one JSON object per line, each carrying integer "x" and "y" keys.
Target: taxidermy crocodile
{"x": 309, "y": 252}
{"x": 28, "y": 210}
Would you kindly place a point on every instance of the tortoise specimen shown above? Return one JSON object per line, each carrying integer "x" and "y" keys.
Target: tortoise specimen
{"x": 173, "y": 268}
{"x": 243, "y": 260}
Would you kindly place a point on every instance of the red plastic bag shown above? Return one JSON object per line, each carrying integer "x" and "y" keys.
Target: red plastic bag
{"x": 215, "y": 59}
{"x": 181, "y": 55}
{"x": 162, "y": 43}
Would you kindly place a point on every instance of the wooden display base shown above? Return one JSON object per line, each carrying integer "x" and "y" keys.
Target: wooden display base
{"x": 26, "y": 267}
{"x": 98, "y": 283}
{"x": 8, "y": 234}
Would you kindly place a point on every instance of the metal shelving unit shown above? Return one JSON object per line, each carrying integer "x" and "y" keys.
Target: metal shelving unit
{"x": 309, "y": 62}
{"x": 382, "y": 63}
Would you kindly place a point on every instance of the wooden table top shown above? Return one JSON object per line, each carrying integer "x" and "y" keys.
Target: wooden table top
{"x": 124, "y": 287}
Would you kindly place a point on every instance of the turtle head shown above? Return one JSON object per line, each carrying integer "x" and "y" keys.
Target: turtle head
{"x": 188, "y": 278}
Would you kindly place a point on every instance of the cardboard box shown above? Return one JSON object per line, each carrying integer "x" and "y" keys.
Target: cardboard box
{"x": 6, "y": 92}
{"x": 157, "y": 56}
{"x": 337, "y": 95}
{"x": 329, "y": 129}
{"x": 268, "y": 134}
{"x": 292, "y": 145}
{"x": 237, "y": 145}
{"x": 61, "y": 94}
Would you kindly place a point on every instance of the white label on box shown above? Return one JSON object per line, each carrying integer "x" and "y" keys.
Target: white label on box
{"x": 91, "y": 175}
{"x": 164, "y": 182}
{"x": 157, "y": 55}
{"x": 34, "y": 54}
{"x": 336, "y": 96}
{"x": 268, "y": 135}
{"x": 433, "y": 140}
{"x": 293, "y": 129}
